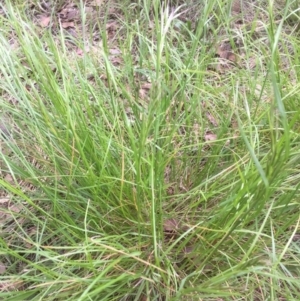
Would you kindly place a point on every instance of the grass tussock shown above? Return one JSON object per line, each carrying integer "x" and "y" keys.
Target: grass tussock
{"x": 153, "y": 155}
